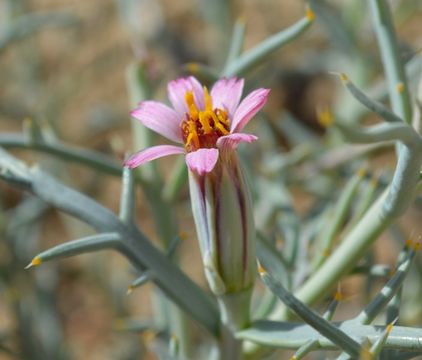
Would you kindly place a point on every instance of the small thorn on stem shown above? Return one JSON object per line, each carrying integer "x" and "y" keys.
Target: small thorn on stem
{"x": 192, "y": 67}
{"x": 366, "y": 353}
{"x": 344, "y": 77}
{"x": 391, "y": 325}
{"x": 35, "y": 262}
{"x": 261, "y": 269}
{"x": 338, "y": 295}
{"x": 400, "y": 87}
{"x": 241, "y": 19}
{"x": 409, "y": 243}
{"x": 325, "y": 117}
{"x": 149, "y": 336}
{"x": 310, "y": 15}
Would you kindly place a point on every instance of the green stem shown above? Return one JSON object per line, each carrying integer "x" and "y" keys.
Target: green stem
{"x": 345, "y": 257}
{"x": 338, "y": 217}
{"x": 259, "y": 53}
{"x": 135, "y": 245}
{"x": 289, "y": 335}
{"x": 236, "y": 42}
{"x": 390, "y": 54}
{"x": 235, "y": 309}
{"x": 90, "y": 158}
{"x": 230, "y": 347}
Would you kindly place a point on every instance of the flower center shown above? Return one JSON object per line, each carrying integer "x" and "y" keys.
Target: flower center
{"x": 202, "y": 128}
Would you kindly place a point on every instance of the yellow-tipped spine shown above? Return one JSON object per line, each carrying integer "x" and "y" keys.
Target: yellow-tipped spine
{"x": 344, "y": 77}
{"x": 310, "y": 15}
{"x": 325, "y": 117}
{"x": 35, "y": 262}
{"x": 400, "y": 87}
{"x": 129, "y": 290}
{"x": 261, "y": 269}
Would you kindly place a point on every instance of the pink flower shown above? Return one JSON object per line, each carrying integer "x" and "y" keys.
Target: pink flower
{"x": 206, "y": 124}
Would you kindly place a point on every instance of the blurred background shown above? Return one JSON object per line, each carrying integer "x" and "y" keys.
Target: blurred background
{"x": 64, "y": 70}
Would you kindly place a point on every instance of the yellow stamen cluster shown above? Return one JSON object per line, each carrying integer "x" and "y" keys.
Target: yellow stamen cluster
{"x": 202, "y": 128}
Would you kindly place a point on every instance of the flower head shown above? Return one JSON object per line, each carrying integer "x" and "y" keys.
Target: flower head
{"x": 207, "y": 124}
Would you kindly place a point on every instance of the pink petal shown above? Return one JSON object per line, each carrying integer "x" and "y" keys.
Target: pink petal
{"x": 177, "y": 89}
{"x": 202, "y": 161}
{"x": 159, "y": 118}
{"x": 152, "y": 153}
{"x": 226, "y": 94}
{"x": 250, "y": 105}
{"x": 231, "y": 141}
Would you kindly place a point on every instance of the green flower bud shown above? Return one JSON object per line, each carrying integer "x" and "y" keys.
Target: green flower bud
{"x": 222, "y": 210}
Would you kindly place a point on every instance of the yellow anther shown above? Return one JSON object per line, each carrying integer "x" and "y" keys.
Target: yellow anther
{"x": 203, "y": 119}
{"x": 310, "y": 15}
{"x": 417, "y": 246}
{"x": 189, "y": 98}
{"x": 222, "y": 117}
{"x": 193, "y": 135}
{"x": 218, "y": 124}
{"x": 326, "y": 252}
{"x": 189, "y": 139}
{"x": 221, "y": 128}
{"x": 190, "y": 101}
{"x": 208, "y": 100}
{"x": 400, "y": 87}
{"x": 409, "y": 243}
